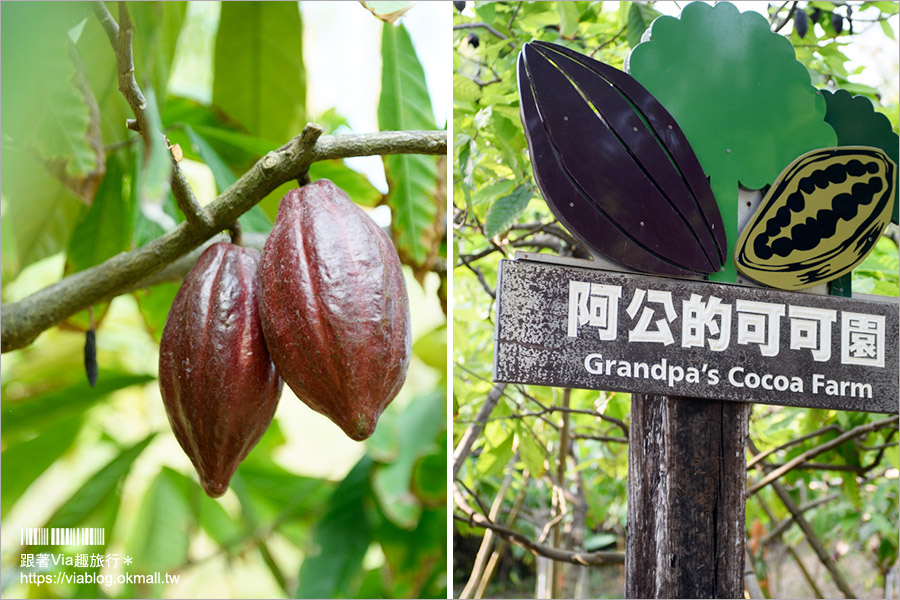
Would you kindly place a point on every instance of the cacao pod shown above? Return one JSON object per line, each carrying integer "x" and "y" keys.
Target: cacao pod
{"x": 219, "y": 385}
{"x": 615, "y": 167}
{"x": 334, "y": 308}
{"x": 821, "y": 217}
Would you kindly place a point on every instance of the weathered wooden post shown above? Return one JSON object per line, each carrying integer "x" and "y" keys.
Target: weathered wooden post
{"x": 686, "y": 488}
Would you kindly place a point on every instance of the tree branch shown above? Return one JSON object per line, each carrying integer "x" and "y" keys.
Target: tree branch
{"x": 579, "y": 558}
{"x": 196, "y": 216}
{"x": 106, "y": 21}
{"x": 812, "y": 452}
{"x": 24, "y": 320}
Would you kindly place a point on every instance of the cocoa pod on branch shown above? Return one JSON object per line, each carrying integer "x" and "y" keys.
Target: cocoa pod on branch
{"x": 218, "y": 383}
{"x": 334, "y": 308}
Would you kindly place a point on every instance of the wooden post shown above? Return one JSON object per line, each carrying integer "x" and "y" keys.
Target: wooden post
{"x": 686, "y": 488}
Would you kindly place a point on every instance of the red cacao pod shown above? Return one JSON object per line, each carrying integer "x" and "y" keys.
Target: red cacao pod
{"x": 334, "y": 308}
{"x": 219, "y": 385}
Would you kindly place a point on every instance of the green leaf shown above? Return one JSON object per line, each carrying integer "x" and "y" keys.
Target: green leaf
{"x": 99, "y": 487}
{"x": 157, "y": 26}
{"x": 24, "y": 462}
{"x": 260, "y": 80}
{"x": 156, "y": 167}
{"x": 222, "y": 173}
{"x": 429, "y": 479}
{"x": 494, "y": 459}
{"x": 415, "y": 559}
{"x": 357, "y": 185}
{"x": 505, "y": 211}
{"x": 420, "y": 423}
{"x": 39, "y": 210}
{"x": 37, "y": 413}
{"x": 568, "y": 19}
{"x": 531, "y": 451}
{"x": 341, "y": 540}
{"x": 850, "y": 488}
{"x": 43, "y": 107}
{"x": 639, "y": 18}
{"x": 599, "y": 541}
{"x": 154, "y": 304}
{"x": 254, "y": 220}
{"x": 207, "y": 512}
{"x": 887, "y": 29}
{"x": 431, "y": 348}
{"x": 405, "y": 105}
{"x": 250, "y": 145}
{"x": 464, "y": 89}
{"x": 105, "y": 229}
{"x": 159, "y": 540}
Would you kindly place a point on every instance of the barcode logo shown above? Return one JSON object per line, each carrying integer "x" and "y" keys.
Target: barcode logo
{"x": 63, "y": 536}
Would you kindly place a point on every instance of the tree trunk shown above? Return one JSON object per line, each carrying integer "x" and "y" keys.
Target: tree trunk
{"x": 686, "y": 487}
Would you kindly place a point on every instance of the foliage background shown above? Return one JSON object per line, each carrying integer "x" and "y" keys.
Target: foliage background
{"x": 851, "y": 494}
{"x": 310, "y": 513}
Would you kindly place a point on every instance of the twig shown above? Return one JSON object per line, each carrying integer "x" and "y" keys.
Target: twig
{"x": 487, "y": 541}
{"x": 125, "y": 69}
{"x": 782, "y": 525}
{"x": 774, "y": 474}
{"x": 501, "y": 546}
{"x": 234, "y": 230}
{"x": 26, "y": 319}
{"x": 600, "y": 438}
{"x": 790, "y": 443}
{"x": 187, "y": 202}
{"x": 106, "y": 21}
{"x": 750, "y": 580}
{"x": 811, "y": 536}
{"x": 480, "y": 275}
{"x": 581, "y": 558}
{"x": 480, "y": 25}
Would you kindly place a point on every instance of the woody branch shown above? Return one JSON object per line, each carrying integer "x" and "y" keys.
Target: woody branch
{"x": 24, "y": 320}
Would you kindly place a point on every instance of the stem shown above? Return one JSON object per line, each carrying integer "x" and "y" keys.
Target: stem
{"x": 24, "y": 320}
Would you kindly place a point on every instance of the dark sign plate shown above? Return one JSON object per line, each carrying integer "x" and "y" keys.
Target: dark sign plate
{"x": 586, "y": 328}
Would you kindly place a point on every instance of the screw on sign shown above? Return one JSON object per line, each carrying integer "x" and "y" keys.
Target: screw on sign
{"x": 613, "y": 161}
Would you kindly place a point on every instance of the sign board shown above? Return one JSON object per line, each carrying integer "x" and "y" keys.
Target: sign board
{"x": 568, "y": 326}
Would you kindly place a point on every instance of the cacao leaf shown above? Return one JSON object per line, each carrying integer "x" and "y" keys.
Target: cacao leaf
{"x": 404, "y": 104}
{"x": 259, "y": 77}
{"x": 158, "y": 541}
{"x": 341, "y": 539}
{"x": 24, "y": 462}
{"x": 98, "y": 488}
{"x": 35, "y": 414}
{"x": 105, "y": 228}
{"x": 505, "y": 211}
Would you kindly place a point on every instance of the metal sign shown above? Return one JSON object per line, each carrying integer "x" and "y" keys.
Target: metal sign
{"x": 577, "y": 327}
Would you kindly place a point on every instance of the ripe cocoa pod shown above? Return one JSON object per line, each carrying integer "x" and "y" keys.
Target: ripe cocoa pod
{"x": 821, "y": 217}
{"x": 614, "y": 166}
{"x": 219, "y": 385}
{"x": 334, "y": 308}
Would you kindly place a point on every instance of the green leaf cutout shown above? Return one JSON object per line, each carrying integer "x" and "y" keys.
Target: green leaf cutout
{"x": 742, "y": 99}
